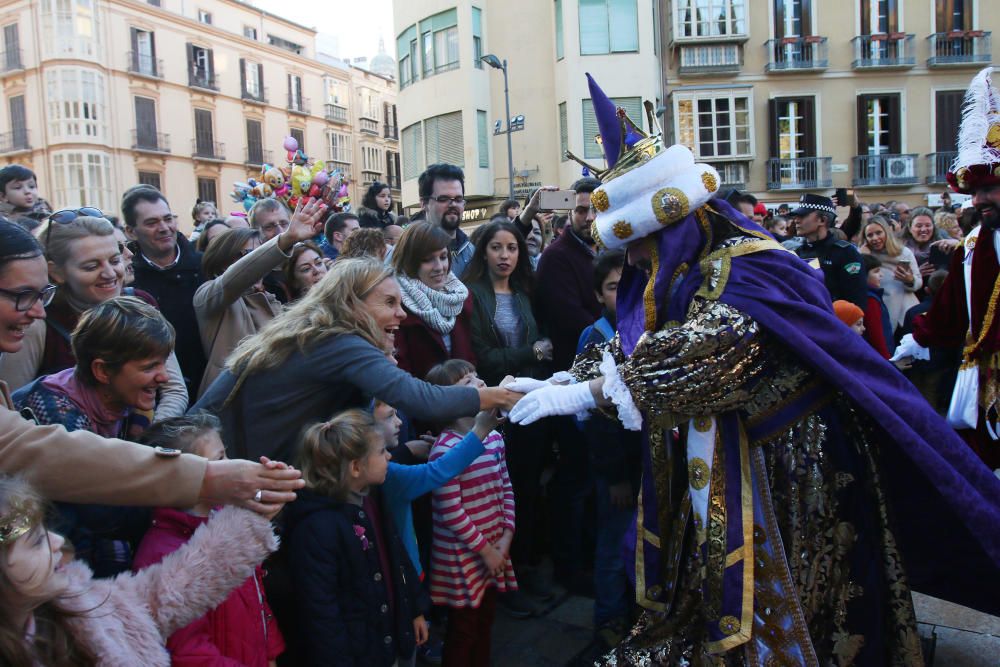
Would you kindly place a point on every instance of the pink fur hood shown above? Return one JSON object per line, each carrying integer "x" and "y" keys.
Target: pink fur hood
{"x": 126, "y": 620}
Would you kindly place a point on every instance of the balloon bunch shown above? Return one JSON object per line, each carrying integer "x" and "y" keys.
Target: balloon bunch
{"x": 301, "y": 179}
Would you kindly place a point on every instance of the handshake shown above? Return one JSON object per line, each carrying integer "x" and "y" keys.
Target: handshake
{"x": 559, "y": 395}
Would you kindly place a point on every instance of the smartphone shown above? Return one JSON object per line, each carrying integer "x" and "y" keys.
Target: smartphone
{"x": 841, "y": 196}
{"x": 557, "y": 200}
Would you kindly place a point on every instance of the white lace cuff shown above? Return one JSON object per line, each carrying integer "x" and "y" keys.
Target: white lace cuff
{"x": 615, "y": 389}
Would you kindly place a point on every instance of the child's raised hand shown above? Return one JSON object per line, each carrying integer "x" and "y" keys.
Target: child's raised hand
{"x": 486, "y": 421}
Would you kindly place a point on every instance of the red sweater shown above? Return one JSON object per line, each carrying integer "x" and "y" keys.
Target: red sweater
{"x": 239, "y": 632}
{"x": 420, "y": 348}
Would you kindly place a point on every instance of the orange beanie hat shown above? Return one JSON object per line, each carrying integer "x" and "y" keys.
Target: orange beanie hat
{"x": 847, "y": 312}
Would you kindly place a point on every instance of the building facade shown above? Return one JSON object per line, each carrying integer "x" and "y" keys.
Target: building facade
{"x": 452, "y": 105}
{"x": 783, "y": 96}
{"x": 189, "y": 97}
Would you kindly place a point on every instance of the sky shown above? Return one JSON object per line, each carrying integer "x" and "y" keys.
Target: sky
{"x": 355, "y": 26}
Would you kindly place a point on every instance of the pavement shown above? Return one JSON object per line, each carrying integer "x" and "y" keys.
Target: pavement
{"x": 964, "y": 637}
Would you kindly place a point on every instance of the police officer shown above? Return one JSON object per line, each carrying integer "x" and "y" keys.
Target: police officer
{"x": 840, "y": 260}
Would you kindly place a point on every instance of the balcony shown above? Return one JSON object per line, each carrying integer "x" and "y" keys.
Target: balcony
{"x": 733, "y": 174}
{"x": 150, "y": 142}
{"x": 10, "y": 61}
{"x": 368, "y": 125}
{"x": 800, "y": 173}
{"x": 885, "y": 169}
{"x": 960, "y": 48}
{"x": 15, "y": 141}
{"x": 257, "y": 156}
{"x": 883, "y": 51}
{"x": 939, "y": 164}
{"x": 796, "y": 54}
{"x": 336, "y": 113}
{"x": 205, "y": 149}
{"x": 710, "y": 59}
{"x": 369, "y": 176}
{"x": 390, "y": 131}
{"x": 299, "y": 105}
{"x": 341, "y": 165}
{"x": 258, "y": 96}
{"x": 203, "y": 80}
{"x": 145, "y": 65}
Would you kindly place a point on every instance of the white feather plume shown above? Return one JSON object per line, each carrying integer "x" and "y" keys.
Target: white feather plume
{"x": 981, "y": 106}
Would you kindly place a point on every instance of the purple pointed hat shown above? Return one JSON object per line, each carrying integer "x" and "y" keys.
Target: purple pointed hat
{"x": 607, "y": 122}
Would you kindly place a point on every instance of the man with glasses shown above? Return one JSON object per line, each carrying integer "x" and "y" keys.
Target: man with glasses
{"x": 442, "y": 193}
{"x": 168, "y": 267}
{"x": 271, "y": 217}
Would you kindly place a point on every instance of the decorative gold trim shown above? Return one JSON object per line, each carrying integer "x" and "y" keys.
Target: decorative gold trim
{"x": 622, "y": 229}
{"x": 640, "y": 563}
{"x": 709, "y": 181}
{"x": 670, "y": 205}
{"x": 649, "y": 295}
{"x": 599, "y": 199}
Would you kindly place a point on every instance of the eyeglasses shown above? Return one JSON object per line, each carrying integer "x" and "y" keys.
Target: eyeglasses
{"x": 271, "y": 226}
{"x": 68, "y": 215}
{"x": 26, "y": 299}
{"x": 445, "y": 199}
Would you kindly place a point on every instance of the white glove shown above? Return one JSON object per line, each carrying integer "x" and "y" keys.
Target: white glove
{"x": 553, "y": 400}
{"x": 910, "y": 348}
{"x": 525, "y": 385}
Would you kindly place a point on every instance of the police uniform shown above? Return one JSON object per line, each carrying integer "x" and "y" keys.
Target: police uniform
{"x": 840, "y": 260}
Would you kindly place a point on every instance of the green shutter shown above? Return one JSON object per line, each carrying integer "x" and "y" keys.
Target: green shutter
{"x": 412, "y": 151}
{"x": 563, "y": 132}
{"x": 623, "y": 25}
{"x": 484, "y": 142}
{"x": 632, "y": 106}
{"x": 477, "y": 22}
{"x": 441, "y": 21}
{"x": 451, "y": 145}
{"x": 594, "y": 27}
{"x": 431, "y": 140}
{"x": 403, "y": 42}
{"x": 559, "y": 30}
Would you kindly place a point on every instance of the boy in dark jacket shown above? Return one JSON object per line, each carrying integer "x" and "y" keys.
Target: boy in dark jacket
{"x": 615, "y": 457}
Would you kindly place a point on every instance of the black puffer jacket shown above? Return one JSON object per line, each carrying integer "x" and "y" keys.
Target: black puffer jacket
{"x": 377, "y": 218}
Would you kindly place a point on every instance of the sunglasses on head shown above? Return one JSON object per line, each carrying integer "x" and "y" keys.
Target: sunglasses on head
{"x": 68, "y": 215}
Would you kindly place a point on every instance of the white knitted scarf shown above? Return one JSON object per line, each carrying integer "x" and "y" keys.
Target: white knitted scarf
{"x": 438, "y": 308}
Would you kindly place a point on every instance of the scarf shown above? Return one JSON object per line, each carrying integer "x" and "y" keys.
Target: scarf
{"x": 438, "y": 309}
{"x": 107, "y": 422}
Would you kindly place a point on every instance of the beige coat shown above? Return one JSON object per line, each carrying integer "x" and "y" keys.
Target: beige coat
{"x": 82, "y": 467}
{"x": 228, "y": 311}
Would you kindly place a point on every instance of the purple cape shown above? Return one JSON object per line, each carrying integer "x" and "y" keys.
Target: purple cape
{"x": 945, "y": 501}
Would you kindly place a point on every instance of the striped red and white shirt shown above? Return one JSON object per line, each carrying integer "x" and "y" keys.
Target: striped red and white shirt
{"x": 470, "y": 511}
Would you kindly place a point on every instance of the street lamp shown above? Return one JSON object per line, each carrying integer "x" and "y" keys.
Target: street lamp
{"x": 495, "y": 63}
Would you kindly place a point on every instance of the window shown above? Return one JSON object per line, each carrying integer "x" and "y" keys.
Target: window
{"x": 300, "y": 136}
{"x": 252, "y": 79}
{"x": 204, "y": 135}
{"x": 12, "y": 48}
{"x": 295, "y": 93}
{"x": 608, "y": 26}
{"x": 591, "y": 149}
{"x": 283, "y": 43}
{"x": 76, "y": 106}
{"x": 145, "y": 124}
{"x": 255, "y": 142}
{"x": 143, "y": 56}
{"x": 879, "y": 124}
{"x": 201, "y": 67}
{"x": 406, "y": 54}
{"x": 482, "y": 134}
{"x": 70, "y": 28}
{"x": 879, "y": 16}
{"x": 205, "y": 17}
{"x": 947, "y": 116}
{"x": 477, "y": 37}
{"x": 792, "y": 127}
{"x": 711, "y": 18}
{"x": 155, "y": 3}
{"x": 82, "y": 179}
{"x": 953, "y": 15}
{"x": 340, "y": 147}
{"x": 18, "y": 122}
{"x": 371, "y": 159}
{"x": 207, "y": 190}
{"x": 792, "y": 18}
{"x": 392, "y": 169}
{"x": 559, "y": 30}
{"x": 443, "y": 140}
{"x": 150, "y": 178}
{"x": 439, "y": 41}
{"x": 715, "y": 126}
{"x": 250, "y": 32}
{"x": 563, "y": 132}
{"x": 336, "y": 92}
{"x": 413, "y": 154}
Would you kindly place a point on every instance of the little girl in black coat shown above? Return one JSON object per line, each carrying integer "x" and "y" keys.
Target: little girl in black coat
{"x": 357, "y": 594}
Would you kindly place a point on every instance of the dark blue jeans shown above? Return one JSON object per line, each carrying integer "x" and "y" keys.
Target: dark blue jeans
{"x": 611, "y": 586}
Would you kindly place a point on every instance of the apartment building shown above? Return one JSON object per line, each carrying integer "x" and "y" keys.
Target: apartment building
{"x": 452, "y": 104}
{"x": 783, "y": 96}
{"x": 187, "y": 96}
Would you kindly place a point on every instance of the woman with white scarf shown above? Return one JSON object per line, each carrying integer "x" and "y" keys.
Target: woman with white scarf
{"x": 438, "y": 306}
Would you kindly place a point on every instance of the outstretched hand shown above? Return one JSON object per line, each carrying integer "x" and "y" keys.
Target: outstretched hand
{"x": 236, "y": 482}
{"x": 552, "y": 400}
{"x": 306, "y": 222}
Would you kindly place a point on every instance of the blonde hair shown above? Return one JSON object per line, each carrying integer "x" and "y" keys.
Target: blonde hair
{"x": 58, "y": 240}
{"x": 334, "y": 306}
{"x": 329, "y": 448}
{"x": 892, "y": 246}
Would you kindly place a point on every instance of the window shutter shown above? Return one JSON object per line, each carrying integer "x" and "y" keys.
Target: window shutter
{"x": 451, "y": 146}
{"x": 594, "y": 24}
{"x": 192, "y": 67}
{"x": 152, "y": 49}
{"x": 862, "y": 114}
{"x": 623, "y": 25}
{"x": 18, "y": 121}
{"x": 413, "y": 151}
{"x": 632, "y": 106}
{"x": 260, "y": 80}
{"x": 563, "y": 132}
{"x": 483, "y": 136}
{"x": 243, "y": 76}
{"x": 431, "y": 140}
{"x": 807, "y": 107}
{"x": 947, "y": 118}
{"x": 866, "y": 16}
{"x": 779, "y": 19}
{"x": 145, "y": 122}
{"x": 895, "y": 111}
{"x": 805, "y": 28}
{"x": 211, "y": 66}
{"x": 134, "y": 34}
{"x": 893, "y": 10}
{"x": 773, "y": 149}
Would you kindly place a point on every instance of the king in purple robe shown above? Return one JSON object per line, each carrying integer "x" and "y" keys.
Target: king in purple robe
{"x": 811, "y": 488}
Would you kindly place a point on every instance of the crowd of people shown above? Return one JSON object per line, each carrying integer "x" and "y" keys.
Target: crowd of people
{"x": 365, "y": 360}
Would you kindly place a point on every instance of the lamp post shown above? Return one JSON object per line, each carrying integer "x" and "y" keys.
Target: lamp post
{"x": 495, "y": 63}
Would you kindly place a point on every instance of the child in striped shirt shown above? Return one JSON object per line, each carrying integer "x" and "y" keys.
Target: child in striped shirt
{"x": 473, "y": 530}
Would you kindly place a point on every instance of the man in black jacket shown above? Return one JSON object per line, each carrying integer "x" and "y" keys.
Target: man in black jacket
{"x": 168, "y": 267}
